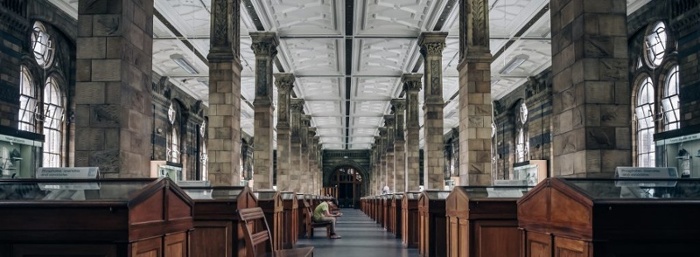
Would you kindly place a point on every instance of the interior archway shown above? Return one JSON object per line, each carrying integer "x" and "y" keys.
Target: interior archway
{"x": 348, "y": 181}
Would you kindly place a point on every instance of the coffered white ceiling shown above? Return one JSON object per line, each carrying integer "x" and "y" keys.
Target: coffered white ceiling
{"x": 348, "y": 68}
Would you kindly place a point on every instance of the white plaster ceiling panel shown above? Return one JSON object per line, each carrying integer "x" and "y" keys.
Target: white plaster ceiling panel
{"x": 160, "y": 30}
{"x": 507, "y": 17}
{"x": 332, "y": 146}
{"x": 450, "y": 86}
{"x": 324, "y": 108}
{"x": 392, "y": 17}
{"x": 537, "y": 53}
{"x": 383, "y": 56}
{"x": 328, "y": 122}
{"x": 450, "y": 57}
{"x": 502, "y": 86}
{"x": 305, "y": 17}
{"x": 541, "y": 29}
{"x": 450, "y": 116}
{"x": 68, "y": 6}
{"x": 370, "y": 132}
{"x": 329, "y": 132}
{"x": 361, "y": 140}
{"x": 368, "y": 108}
{"x": 247, "y": 118}
{"x": 248, "y": 88}
{"x": 332, "y": 140}
{"x": 189, "y": 17}
{"x": 375, "y": 88}
{"x": 164, "y": 65}
{"x": 359, "y": 146}
{"x": 319, "y": 88}
{"x": 247, "y": 57}
{"x": 366, "y": 122}
{"x": 313, "y": 56}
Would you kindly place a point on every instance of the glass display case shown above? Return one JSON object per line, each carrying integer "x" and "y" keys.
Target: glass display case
{"x": 105, "y": 217}
{"x": 611, "y": 217}
{"x": 490, "y": 218}
{"x": 20, "y": 154}
{"x": 680, "y": 151}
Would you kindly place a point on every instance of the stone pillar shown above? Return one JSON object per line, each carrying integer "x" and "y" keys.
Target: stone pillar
{"x": 265, "y": 49}
{"x": 431, "y": 46}
{"x": 304, "y": 160}
{"x": 475, "y": 115}
{"x": 591, "y": 95}
{"x": 312, "y": 161}
{"x": 295, "y": 171}
{"x": 412, "y": 85}
{"x": 376, "y": 167}
{"x": 389, "y": 122}
{"x": 398, "y": 106}
{"x": 382, "y": 158}
{"x": 285, "y": 83}
{"x": 317, "y": 169}
{"x": 113, "y": 89}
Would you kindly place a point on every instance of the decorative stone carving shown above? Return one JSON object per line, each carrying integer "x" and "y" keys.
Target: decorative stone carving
{"x": 398, "y": 108}
{"x": 285, "y": 83}
{"x": 296, "y": 107}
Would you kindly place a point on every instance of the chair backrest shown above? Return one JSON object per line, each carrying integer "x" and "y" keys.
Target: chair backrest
{"x": 256, "y": 229}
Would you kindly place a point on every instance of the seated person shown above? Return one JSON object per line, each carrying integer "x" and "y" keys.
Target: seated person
{"x": 322, "y": 214}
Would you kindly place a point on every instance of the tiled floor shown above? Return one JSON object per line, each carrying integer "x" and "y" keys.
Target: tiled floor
{"x": 362, "y": 237}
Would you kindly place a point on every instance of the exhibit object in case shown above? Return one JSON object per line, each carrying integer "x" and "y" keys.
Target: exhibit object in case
{"x": 601, "y": 217}
{"x": 482, "y": 221}
{"x": 20, "y": 153}
{"x": 217, "y": 228}
{"x": 532, "y": 172}
{"x": 107, "y": 217}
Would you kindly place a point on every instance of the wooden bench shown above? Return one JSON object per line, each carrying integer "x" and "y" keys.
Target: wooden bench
{"x": 257, "y": 233}
{"x": 310, "y": 224}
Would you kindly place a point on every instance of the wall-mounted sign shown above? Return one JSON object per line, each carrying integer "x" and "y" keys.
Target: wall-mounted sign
{"x": 68, "y": 173}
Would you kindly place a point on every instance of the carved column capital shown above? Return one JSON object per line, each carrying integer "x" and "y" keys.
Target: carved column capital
{"x": 297, "y": 105}
{"x": 225, "y": 31}
{"x": 473, "y": 27}
{"x": 389, "y": 121}
{"x": 264, "y": 44}
{"x": 398, "y": 108}
{"x": 432, "y": 43}
{"x": 412, "y": 81}
{"x": 284, "y": 82}
{"x": 398, "y": 105}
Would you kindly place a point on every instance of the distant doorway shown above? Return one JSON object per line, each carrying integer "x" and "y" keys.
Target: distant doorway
{"x": 349, "y": 183}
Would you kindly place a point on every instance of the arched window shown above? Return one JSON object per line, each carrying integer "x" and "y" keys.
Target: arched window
{"x": 42, "y": 45}
{"x": 655, "y": 44}
{"x": 53, "y": 124}
{"x": 644, "y": 113}
{"x": 27, "y": 101}
{"x": 670, "y": 102}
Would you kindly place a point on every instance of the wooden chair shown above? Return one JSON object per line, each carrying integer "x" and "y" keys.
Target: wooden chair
{"x": 310, "y": 224}
{"x": 257, "y": 232}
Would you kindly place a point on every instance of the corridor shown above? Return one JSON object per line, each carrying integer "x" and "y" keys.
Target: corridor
{"x": 361, "y": 237}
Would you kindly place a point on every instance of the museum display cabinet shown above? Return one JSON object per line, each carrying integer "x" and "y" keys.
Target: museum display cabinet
{"x": 482, "y": 221}
{"x": 290, "y": 219}
{"x": 395, "y": 226}
{"x": 681, "y": 149}
{"x": 410, "y": 220}
{"x": 20, "y": 153}
{"x": 611, "y": 217}
{"x": 432, "y": 223}
{"x": 217, "y": 228}
{"x": 271, "y": 203}
{"x": 106, "y": 217}
{"x": 384, "y": 213}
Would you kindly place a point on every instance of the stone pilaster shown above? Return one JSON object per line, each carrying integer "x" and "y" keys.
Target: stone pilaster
{"x": 475, "y": 115}
{"x": 389, "y": 123}
{"x": 431, "y": 45}
{"x": 312, "y": 161}
{"x": 295, "y": 171}
{"x": 383, "y": 131}
{"x": 265, "y": 49}
{"x": 317, "y": 169}
{"x": 412, "y": 85}
{"x": 285, "y": 83}
{"x": 591, "y": 95}
{"x": 304, "y": 160}
{"x": 398, "y": 108}
{"x": 116, "y": 48}
{"x": 376, "y": 167}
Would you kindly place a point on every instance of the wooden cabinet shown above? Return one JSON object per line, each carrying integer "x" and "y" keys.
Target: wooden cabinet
{"x": 433, "y": 223}
{"x": 271, "y": 203}
{"x": 108, "y": 217}
{"x": 482, "y": 221}
{"x": 290, "y": 219}
{"x": 395, "y": 213}
{"x": 410, "y": 220}
{"x": 301, "y": 203}
{"x": 607, "y": 217}
{"x": 217, "y": 228}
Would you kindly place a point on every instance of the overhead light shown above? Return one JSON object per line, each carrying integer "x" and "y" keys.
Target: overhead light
{"x": 184, "y": 64}
{"x": 514, "y": 64}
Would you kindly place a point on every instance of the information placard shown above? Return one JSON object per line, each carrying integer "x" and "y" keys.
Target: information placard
{"x": 68, "y": 173}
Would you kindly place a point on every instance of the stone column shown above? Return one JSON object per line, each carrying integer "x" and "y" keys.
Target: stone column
{"x": 285, "y": 83}
{"x": 295, "y": 171}
{"x": 304, "y": 160}
{"x": 398, "y": 106}
{"x": 475, "y": 115}
{"x": 382, "y": 158}
{"x": 265, "y": 49}
{"x": 412, "y": 85}
{"x": 113, "y": 86}
{"x": 376, "y": 169}
{"x": 318, "y": 171}
{"x": 591, "y": 95}
{"x": 431, "y": 45}
{"x": 389, "y": 122}
{"x": 312, "y": 161}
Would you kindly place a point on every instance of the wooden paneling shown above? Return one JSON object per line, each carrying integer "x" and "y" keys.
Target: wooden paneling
{"x": 149, "y": 210}
{"x": 564, "y": 247}
{"x": 82, "y": 250}
{"x": 538, "y": 245}
{"x": 497, "y": 238}
{"x": 212, "y": 238}
{"x": 147, "y": 248}
{"x": 176, "y": 245}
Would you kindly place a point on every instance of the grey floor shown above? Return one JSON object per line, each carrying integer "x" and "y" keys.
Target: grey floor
{"x": 362, "y": 237}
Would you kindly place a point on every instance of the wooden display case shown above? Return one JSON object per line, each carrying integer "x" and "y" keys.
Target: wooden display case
{"x": 433, "y": 223}
{"x": 301, "y": 203}
{"x": 290, "y": 218}
{"x": 271, "y": 203}
{"x": 607, "y": 217}
{"x": 384, "y": 214}
{"x": 410, "y": 220}
{"x": 217, "y": 228}
{"x": 108, "y": 217}
{"x": 396, "y": 214}
{"x": 483, "y": 222}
